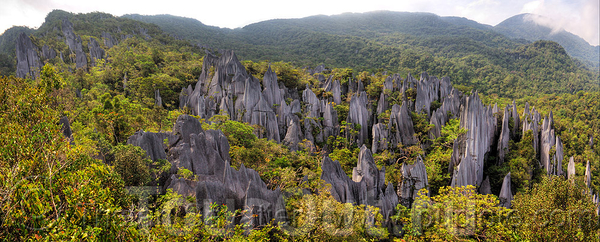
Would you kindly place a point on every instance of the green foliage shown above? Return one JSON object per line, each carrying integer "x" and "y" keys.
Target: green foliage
{"x": 50, "y": 189}
{"x": 185, "y": 173}
{"x": 554, "y": 209}
{"x": 456, "y": 214}
{"x": 438, "y": 159}
{"x": 238, "y": 133}
{"x": 320, "y": 217}
{"x": 132, "y": 164}
{"x": 347, "y": 158}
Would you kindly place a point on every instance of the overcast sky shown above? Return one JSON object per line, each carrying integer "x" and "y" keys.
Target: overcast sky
{"x": 576, "y": 16}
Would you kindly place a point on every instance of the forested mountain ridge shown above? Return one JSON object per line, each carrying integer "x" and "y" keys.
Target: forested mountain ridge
{"x": 523, "y": 26}
{"x": 471, "y": 54}
{"x": 135, "y": 134}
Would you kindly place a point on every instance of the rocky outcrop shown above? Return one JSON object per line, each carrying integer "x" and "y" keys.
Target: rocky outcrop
{"x": 516, "y": 120}
{"x": 504, "y": 137}
{"x": 450, "y": 109}
{"x": 366, "y": 187}
{"x": 380, "y": 138}
{"x": 74, "y": 43}
{"x": 558, "y": 158}
{"x": 293, "y": 135}
{"x": 28, "y": 62}
{"x": 157, "y": 98}
{"x": 65, "y": 128}
{"x": 401, "y": 128}
{"x": 427, "y": 92}
{"x": 96, "y": 52}
{"x": 343, "y": 189}
{"x": 48, "y": 53}
{"x": 414, "y": 178}
{"x": 109, "y": 41}
{"x": 206, "y": 154}
{"x": 588, "y": 175}
{"x": 485, "y": 188}
{"x": 358, "y": 114}
{"x": 152, "y": 143}
{"x": 571, "y": 169}
{"x": 367, "y": 171}
{"x": 506, "y": 196}
{"x": 470, "y": 148}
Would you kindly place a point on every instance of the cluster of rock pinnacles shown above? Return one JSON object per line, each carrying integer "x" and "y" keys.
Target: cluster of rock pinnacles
{"x": 226, "y": 88}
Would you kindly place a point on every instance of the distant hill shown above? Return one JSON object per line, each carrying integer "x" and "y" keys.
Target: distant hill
{"x": 523, "y": 26}
{"x": 471, "y": 54}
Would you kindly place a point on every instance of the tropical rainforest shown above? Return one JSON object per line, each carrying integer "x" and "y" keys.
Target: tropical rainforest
{"x": 355, "y": 127}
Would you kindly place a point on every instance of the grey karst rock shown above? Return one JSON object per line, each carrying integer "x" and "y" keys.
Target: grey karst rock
{"x": 526, "y": 112}
{"x": 495, "y": 108}
{"x": 295, "y": 107}
{"x": 485, "y": 186}
{"x": 96, "y": 52}
{"x": 559, "y": 156}
{"x": 182, "y": 186}
{"x": 401, "y": 128}
{"x": 263, "y": 205}
{"x": 109, "y": 41}
{"x": 347, "y": 190}
{"x": 439, "y": 117}
{"x": 504, "y": 137}
{"x": 360, "y": 87}
{"x": 427, "y": 92}
{"x": 571, "y": 169}
{"x": 226, "y": 107}
{"x": 184, "y": 95}
{"x": 222, "y": 79}
{"x": 409, "y": 83}
{"x": 144, "y": 32}
{"x": 388, "y": 84}
{"x": 206, "y": 154}
{"x": 336, "y": 90}
{"x": 530, "y": 122}
{"x": 445, "y": 88}
{"x": 313, "y": 131}
{"x": 252, "y": 96}
{"x": 293, "y": 136}
{"x": 65, "y": 128}
{"x": 74, "y": 43}
{"x": 358, "y": 114}
{"x": 186, "y": 125}
{"x": 506, "y": 196}
{"x": 153, "y": 143}
{"x": 271, "y": 90}
{"x": 382, "y": 106}
{"x": 466, "y": 172}
{"x": 263, "y": 115}
{"x": 313, "y": 104}
{"x": 343, "y": 189}
{"x": 414, "y": 178}
{"x": 480, "y": 124}
{"x": 318, "y": 69}
{"x": 367, "y": 171}
{"x": 516, "y": 121}
{"x": 330, "y": 122}
{"x": 588, "y": 175}
{"x": 157, "y": 98}
{"x": 28, "y": 62}
{"x": 380, "y": 138}
{"x": 48, "y": 53}
{"x": 547, "y": 141}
